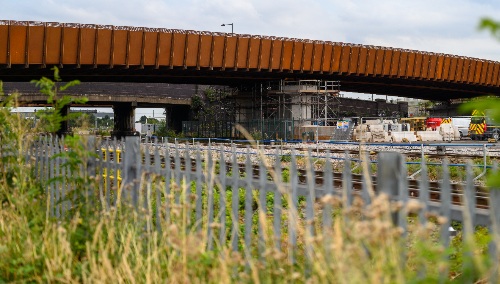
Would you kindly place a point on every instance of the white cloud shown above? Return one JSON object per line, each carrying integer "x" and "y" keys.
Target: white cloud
{"x": 447, "y": 26}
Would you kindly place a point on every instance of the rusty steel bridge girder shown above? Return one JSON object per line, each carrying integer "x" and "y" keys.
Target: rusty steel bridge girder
{"x": 137, "y": 54}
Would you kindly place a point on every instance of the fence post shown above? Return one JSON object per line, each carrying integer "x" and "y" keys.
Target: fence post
{"x": 222, "y": 197}
{"x": 157, "y": 171}
{"x": 328, "y": 190}
{"x": 210, "y": 171}
{"x": 389, "y": 175}
{"x": 147, "y": 182}
{"x": 347, "y": 182}
{"x": 37, "y": 158}
{"x": 132, "y": 169}
{"x": 445, "y": 198}
{"x": 262, "y": 202}
{"x": 293, "y": 203}
{"x": 177, "y": 173}
{"x": 45, "y": 164}
{"x": 187, "y": 180}
{"x": 57, "y": 175}
{"x": 91, "y": 166}
{"x": 91, "y": 162}
{"x": 310, "y": 200}
{"x": 235, "y": 199}
{"x": 495, "y": 226}
{"x": 424, "y": 192}
{"x": 470, "y": 201}
{"x": 403, "y": 194}
{"x": 51, "y": 176}
{"x": 116, "y": 166}
{"x": 102, "y": 174}
{"x": 168, "y": 180}
{"x": 367, "y": 189}
{"x": 198, "y": 174}
{"x": 277, "y": 201}
{"x": 248, "y": 201}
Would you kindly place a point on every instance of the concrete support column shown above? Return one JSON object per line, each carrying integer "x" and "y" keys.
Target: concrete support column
{"x": 381, "y": 105}
{"x": 124, "y": 118}
{"x": 403, "y": 108}
{"x": 65, "y": 126}
{"x": 168, "y": 117}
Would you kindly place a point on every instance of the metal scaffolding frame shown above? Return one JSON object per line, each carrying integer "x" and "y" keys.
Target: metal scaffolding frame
{"x": 315, "y": 100}
{"x": 299, "y": 102}
{"x": 276, "y": 109}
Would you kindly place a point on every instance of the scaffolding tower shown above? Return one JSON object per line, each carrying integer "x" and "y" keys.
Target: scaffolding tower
{"x": 285, "y": 109}
{"x": 310, "y": 102}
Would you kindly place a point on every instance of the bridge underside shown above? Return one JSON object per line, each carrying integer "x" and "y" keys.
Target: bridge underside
{"x": 436, "y": 90}
{"x": 151, "y": 95}
{"x": 124, "y": 98}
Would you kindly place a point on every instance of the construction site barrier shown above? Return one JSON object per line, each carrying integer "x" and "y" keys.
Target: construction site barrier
{"x": 335, "y": 142}
{"x": 333, "y": 158}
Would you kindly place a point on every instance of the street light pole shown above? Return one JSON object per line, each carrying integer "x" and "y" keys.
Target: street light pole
{"x": 231, "y": 24}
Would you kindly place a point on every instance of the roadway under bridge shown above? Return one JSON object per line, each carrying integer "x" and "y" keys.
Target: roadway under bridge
{"x": 99, "y": 53}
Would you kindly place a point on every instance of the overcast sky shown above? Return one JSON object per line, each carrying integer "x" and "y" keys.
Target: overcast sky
{"x": 446, "y": 26}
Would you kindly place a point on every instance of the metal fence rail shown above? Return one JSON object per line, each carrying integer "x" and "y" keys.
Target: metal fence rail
{"x": 210, "y": 177}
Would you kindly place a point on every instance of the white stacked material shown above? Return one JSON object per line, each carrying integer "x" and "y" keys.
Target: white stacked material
{"x": 456, "y": 132}
{"x": 400, "y": 136}
{"x": 378, "y": 133}
{"x": 429, "y": 136}
{"x": 364, "y": 135}
{"x": 357, "y": 131}
{"x": 372, "y": 122}
{"x": 446, "y": 130}
{"x": 367, "y": 136}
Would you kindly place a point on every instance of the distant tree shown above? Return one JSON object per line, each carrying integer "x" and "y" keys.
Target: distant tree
{"x": 143, "y": 119}
{"x": 87, "y": 120}
{"x": 91, "y": 120}
{"x": 162, "y": 129}
{"x": 105, "y": 122}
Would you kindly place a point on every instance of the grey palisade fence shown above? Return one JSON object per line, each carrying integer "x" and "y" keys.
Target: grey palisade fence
{"x": 145, "y": 181}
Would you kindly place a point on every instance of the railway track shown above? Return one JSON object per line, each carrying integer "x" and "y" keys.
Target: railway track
{"x": 416, "y": 154}
{"x": 482, "y": 195}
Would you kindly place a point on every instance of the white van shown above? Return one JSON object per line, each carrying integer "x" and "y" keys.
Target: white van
{"x": 462, "y": 122}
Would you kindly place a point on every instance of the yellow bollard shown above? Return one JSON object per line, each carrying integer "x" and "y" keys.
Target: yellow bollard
{"x": 105, "y": 173}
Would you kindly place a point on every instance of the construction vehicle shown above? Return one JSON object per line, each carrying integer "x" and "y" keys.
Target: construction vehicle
{"x": 416, "y": 123}
{"x": 433, "y": 123}
{"x": 483, "y": 127}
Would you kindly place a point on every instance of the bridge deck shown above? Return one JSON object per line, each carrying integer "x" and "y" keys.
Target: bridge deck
{"x": 132, "y": 54}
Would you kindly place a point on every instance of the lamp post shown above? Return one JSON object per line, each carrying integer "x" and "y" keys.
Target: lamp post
{"x": 231, "y": 24}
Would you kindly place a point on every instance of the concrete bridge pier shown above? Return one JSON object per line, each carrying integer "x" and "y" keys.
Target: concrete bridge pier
{"x": 124, "y": 118}
{"x": 175, "y": 114}
{"x": 65, "y": 127}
